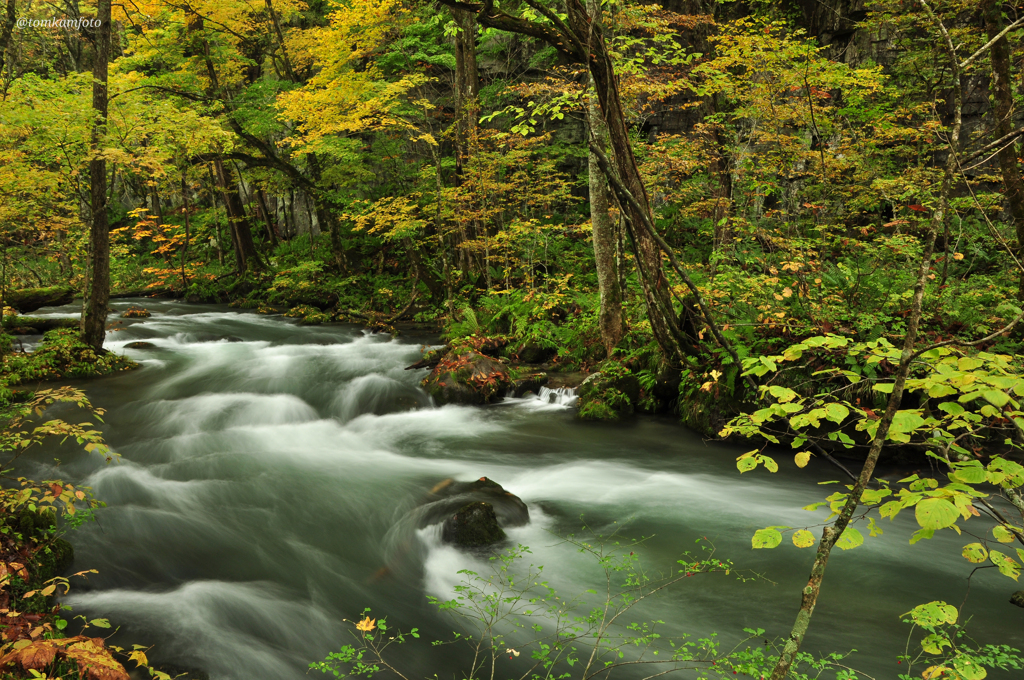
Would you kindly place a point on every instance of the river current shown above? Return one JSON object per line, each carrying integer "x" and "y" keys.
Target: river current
{"x": 268, "y": 470}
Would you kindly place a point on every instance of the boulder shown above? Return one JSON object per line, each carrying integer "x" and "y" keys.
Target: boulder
{"x": 139, "y": 344}
{"x": 467, "y": 377}
{"x": 30, "y": 299}
{"x": 1017, "y": 598}
{"x": 473, "y": 525}
{"x": 472, "y": 514}
{"x": 532, "y": 353}
{"x": 611, "y": 394}
{"x": 531, "y": 383}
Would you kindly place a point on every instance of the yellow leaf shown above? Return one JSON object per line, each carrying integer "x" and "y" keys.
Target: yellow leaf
{"x": 802, "y": 458}
{"x": 366, "y": 625}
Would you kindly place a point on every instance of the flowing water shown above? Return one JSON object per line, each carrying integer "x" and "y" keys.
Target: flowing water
{"x": 268, "y": 472}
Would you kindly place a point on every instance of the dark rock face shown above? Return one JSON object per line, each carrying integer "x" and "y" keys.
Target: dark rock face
{"x": 531, "y": 383}
{"x": 1017, "y": 598}
{"x": 140, "y": 345}
{"x": 473, "y": 525}
{"x": 472, "y": 514}
{"x": 532, "y": 353}
{"x": 467, "y": 378}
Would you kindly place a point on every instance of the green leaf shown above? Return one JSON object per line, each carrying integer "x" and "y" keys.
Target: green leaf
{"x": 1002, "y": 534}
{"x": 746, "y": 464}
{"x": 975, "y": 553}
{"x": 969, "y": 669}
{"x": 850, "y": 539}
{"x": 770, "y": 464}
{"x": 933, "y": 644}
{"x": 996, "y": 398}
{"x": 971, "y": 473}
{"x": 952, "y": 408}
{"x": 1007, "y": 565}
{"x": 766, "y": 538}
{"x": 100, "y": 623}
{"x": 936, "y": 513}
{"x": 933, "y": 614}
{"x": 803, "y": 539}
{"x": 837, "y": 413}
{"x": 905, "y": 421}
{"x": 921, "y": 534}
{"x": 884, "y": 388}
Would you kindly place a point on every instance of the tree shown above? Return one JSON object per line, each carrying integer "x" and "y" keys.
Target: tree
{"x": 605, "y": 241}
{"x": 94, "y": 313}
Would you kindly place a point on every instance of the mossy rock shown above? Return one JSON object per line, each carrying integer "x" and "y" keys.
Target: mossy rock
{"x": 1017, "y": 598}
{"x": 467, "y": 377}
{"x": 140, "y": 345}
{"x": 134, "y": 312}
{"x": 611, "y": 394}
{"x": 472, "y": 526}
{"x": 531, "y": 383}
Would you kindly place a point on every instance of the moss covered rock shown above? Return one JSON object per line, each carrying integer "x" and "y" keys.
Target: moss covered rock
{"x": 1018, "y": 598}
{"x": 467, "y": 377}
{"x": 473, "y": 525}
{"x": 611, "y": 394}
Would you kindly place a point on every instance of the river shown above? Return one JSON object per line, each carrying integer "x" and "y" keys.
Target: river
{"x": 268, "y": 470}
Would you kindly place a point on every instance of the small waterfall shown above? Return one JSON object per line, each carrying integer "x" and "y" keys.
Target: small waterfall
{"x": 547, "y": 399}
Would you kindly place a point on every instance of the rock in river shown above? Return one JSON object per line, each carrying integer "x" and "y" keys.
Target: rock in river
{"x": 473, "y": 525}
{"x": 467, "y": 377}
{"x": 473, "y": 513}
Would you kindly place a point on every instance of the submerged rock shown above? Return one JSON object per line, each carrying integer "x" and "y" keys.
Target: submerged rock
{"x": 140, "y": 345}
{"x": 473, "y": 525}
{"x": 467, "y": 377}
{"x": 1017, "y": 598}
{"x": 473, "y": 513}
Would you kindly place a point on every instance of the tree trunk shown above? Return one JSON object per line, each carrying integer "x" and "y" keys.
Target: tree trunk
{"x": 660, "y": 310}
{"x": 241, "y": 231}
{"x": 97, "y": 295}
{"x": 831, "y": 534}
{"x": 1000, "y": 87}
{"x": 467, "y": 84}
{"x": 610, "y": 318}
{"x": 6, "y": 31}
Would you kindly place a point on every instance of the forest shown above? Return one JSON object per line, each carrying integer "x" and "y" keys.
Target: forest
{"x": 779, "y": 240}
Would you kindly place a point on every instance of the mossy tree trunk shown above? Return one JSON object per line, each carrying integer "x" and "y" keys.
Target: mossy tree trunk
{"x": 97, "y": 295}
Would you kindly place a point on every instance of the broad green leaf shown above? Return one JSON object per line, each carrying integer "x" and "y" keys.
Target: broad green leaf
{"x": 1007, "y": 565}
{"x": 782, "y": 394}
{"x": 921, "y": 534}
{"x": 933, "y": 644}
{"x": 952, "y": 408}
{"x": 970, "y": 474}
{"x": 940, "y": 390}
{"x": 884, "y": 388}
{"x": 996, "y": 398}
{"x": 936, "y": 513}
{"x": 933, "y": 614}
{"x": 837, "y": 413}
{"x": 802, "y": 458}
{"x": 905, "y": 421}
{"x": 1002, "y": 534}
{"x": 746, "y": 464}
{"x": 803, "y": 539}
{"x": 100, "y": 623}
{"x": 770, "y": 464}
{"x": 975, "y": 553}
{"x": 850, "y": 539}
{"x": 969, "y": 669}
{"x": 766, "y": 538}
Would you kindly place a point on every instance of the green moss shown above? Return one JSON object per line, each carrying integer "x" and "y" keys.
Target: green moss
{"x": 62, "y": 354}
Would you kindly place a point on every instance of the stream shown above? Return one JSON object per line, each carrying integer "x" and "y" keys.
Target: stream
{"x": 268, "y": 471}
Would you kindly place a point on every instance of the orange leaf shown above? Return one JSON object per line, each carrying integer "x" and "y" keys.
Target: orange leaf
{"x": 366, "y": 625}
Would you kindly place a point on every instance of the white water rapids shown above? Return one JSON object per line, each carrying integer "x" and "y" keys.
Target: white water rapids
{"x": 268, "y": 471}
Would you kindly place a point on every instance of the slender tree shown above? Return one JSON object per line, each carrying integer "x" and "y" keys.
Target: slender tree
{"x": 610, "y": 318}
{"x": 97, "y": 295}
{"x": 1001, "y": 88}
